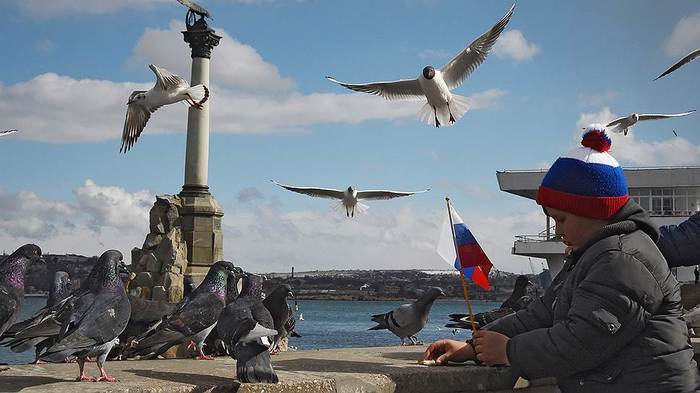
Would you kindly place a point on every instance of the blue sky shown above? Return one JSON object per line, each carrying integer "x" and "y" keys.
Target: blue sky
{"x": 70, "y": 65}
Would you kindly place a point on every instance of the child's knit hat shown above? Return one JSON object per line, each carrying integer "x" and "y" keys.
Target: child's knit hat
{"x": 587, "y": 181}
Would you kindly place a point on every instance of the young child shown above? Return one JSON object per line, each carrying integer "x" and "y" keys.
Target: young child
{"x": 611, "y": 321}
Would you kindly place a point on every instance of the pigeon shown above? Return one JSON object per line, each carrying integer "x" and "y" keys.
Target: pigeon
{"x": 518, "y": 300}
{"x": 213, "y": 344}
{"x": 623, "y": 124}
{"x": 245, "y": 327}
{"x": 193, "y": 319}
{"x": 442, "y": 107}
{"x": 169, "y": 88}
{"x": 144, "y": 315}
{"x": 276, "y": 303}
{"x": 409, "y": 319}
{"x": 349, "y": 197}
{"x": 58, "y": 292}
{"x": 687, "y": 59}
{"x": 7, "y": 132}
{"x": 12, "y": 271}
{"x": 291, "y": 325}
{"x": 88, "y": 323}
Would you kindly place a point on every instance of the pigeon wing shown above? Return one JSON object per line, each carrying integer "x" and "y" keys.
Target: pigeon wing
{"x": 385, "y": 194}
{"x": 459, "y": 68}
{"x": 404, "y": 319}
{"x": 687, "y": 59}
{"x": 391, "y": 90}
{"x": 658, "y": 116}
{"x": 8, "y": 309}
{"x": 315, "y": 192}
{"x": 166, "y": 80}
{"x": 136, "y": 118}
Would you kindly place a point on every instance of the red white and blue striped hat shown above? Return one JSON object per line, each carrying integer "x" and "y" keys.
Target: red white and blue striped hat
{"x": 588, "y": 181}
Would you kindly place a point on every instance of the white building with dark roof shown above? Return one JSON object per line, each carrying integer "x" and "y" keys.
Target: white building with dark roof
{"x": 669, "y": 194}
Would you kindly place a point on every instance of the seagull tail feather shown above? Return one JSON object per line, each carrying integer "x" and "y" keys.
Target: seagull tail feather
{"x": 459, "y": 106}
{"x": 199, "y": 93}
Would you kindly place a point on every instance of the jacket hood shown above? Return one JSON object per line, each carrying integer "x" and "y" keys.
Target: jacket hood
{"x": 629, "y": 218}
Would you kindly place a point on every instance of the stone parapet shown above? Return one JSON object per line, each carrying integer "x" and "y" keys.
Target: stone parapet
{"x": 381, "y": 370}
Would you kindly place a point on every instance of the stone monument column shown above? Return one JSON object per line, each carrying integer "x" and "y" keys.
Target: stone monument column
{"x": 200, "y": 213}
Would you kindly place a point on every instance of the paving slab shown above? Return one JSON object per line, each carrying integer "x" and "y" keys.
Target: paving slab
{"x": 381, "y": 370}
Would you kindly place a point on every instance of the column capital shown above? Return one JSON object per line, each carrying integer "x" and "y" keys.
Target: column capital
{"x": 202, "y": 39}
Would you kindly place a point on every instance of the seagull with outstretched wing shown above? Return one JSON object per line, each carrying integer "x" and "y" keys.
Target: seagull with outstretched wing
{"x": 623, "y": 124}
{"x": 348, "y": 198}
{"x": 442, "y": 107}
{"x": 169, "y": 88}
{"x": 7, "y": 132}
{"x": 687, "y": 59}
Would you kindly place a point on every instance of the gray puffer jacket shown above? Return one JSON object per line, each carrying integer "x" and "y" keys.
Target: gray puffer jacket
{"x": 611, "y": 320}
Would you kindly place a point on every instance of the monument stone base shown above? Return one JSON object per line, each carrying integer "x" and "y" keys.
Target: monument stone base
{"x": 200, "y": 218}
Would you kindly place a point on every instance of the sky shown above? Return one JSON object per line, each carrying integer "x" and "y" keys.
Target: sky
{"x": 69, "y": 66}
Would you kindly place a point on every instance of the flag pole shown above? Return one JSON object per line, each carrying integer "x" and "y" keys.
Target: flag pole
{"x": 461, "y": 271}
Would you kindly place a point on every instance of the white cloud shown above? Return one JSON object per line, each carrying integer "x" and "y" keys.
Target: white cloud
{"x": 513, "y": 44}
{"x": 25, "y": 214}
{"x": 400, "y": 238}
{"x": 100, "y": 218}
{"x": 234, "y": 64}
{"x": 685, "y": 36}
{"x": 631, "y": 151}
{"x": 244, "y": 101}
{"x": 110, "y": 206}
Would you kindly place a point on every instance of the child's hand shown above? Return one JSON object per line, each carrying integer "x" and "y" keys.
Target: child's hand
{"x": 491, "y": 348}
{"x": 445, "y": 350}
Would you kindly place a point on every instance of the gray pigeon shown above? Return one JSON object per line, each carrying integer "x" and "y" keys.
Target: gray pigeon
{"x": 245, "y": 327}
{"x": 194, "y": 318}
{"x": 409, "y": 319}
{"x": 12, "y": 271}
{"x": 519, "y": 299}
{"x": 88, "y": 323}
{"x": 58, "y": 292}
{"x": 276, "y": 303}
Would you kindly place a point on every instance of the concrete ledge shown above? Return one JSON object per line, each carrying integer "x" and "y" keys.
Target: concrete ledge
{"x": 384, "y": 369}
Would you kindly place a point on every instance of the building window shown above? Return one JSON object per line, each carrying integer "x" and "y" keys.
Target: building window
{"x": 680, "y": 201}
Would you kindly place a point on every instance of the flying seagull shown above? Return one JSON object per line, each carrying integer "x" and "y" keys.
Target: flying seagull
{"x": 675, "y": 133}
{"x": 409, "y": 319}
{"x": 195, "y": 8}
{"x": 7, "y": 132}
{"x": 349, "y": 197}
{"x": 442, "y": 107}
{"x": 623, "y": 124}
{"x": 169, "y": 88}
{"x": 687, "y": 59}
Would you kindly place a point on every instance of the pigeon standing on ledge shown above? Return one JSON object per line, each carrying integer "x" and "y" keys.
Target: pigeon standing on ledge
{"x": 88, "y": 323}
{"x": 169, "y": 88}
{"x": 442, "y": 107}
{"x": 276, "y": 303}
{"x": 409, "y": 319}
{"x": 12, "y": 271}
{"x": 518, "y": 300}
{"x": 348, "y": 199}
{"x": 194, "y": 318}
{"x": 246, "y": 329}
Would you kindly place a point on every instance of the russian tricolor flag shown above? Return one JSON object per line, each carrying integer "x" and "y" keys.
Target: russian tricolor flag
{"x": 472, "y": 259}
